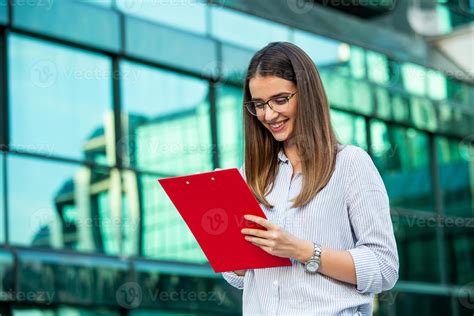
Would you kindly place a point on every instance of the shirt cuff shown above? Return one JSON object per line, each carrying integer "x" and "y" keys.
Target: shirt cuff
{"x": 367, "y": 270}
{"x": 234, "y": 279}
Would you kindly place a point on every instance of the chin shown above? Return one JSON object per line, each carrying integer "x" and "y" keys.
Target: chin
{"x": 280, "y": 137}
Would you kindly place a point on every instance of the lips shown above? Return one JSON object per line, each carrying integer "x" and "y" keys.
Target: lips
{"x": 278, "y": 126}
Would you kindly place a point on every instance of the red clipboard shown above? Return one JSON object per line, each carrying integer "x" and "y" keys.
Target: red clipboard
{"x": 213, "y": 205}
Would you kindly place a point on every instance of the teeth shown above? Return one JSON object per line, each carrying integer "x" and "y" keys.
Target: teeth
{"x": 277, "y": 125}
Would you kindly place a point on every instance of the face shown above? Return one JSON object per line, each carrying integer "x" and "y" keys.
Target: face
{"x": 262, "y": 89}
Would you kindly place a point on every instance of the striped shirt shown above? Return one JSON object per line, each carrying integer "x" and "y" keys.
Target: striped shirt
{"x": 350, "y": 213}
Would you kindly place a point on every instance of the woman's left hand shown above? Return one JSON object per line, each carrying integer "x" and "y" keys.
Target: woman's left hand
{"x": 275, "y": 240}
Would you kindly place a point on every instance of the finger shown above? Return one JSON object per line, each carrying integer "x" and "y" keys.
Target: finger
{"x": 217, "y": 169}
{"x": 259, "y": 241}
{"x": 256, "y": 232}
{"x": 260, "y": 220}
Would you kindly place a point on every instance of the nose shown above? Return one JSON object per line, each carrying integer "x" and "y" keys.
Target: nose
{"x": 270, "y": 115}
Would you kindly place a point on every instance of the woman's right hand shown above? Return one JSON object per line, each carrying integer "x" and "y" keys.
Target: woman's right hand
{"x": 240, "y": 272}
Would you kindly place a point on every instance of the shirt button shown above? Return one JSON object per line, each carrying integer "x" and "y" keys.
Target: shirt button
{"x": 275, "y": 283}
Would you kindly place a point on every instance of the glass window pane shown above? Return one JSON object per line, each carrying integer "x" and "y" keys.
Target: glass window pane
{"x": 234, "y": 63}
{"x": 166, "y": 119}
{"x": 2, "y": 200}
{"x": 164, "y": 45}
{"x": 459, "y": 235}
{"x": 436, "y": 85}
{"x": 423, "y": 114}
{"x": 357, "y": 62}
{"x": 377, "y": 67}
{"x": 62, "y": 206}
{"x": 384, "y": 106}
{"x": 345, "y": 93}
{"x": 350, "y": 129}
{"x": 338, "y": 90}
{"x": 326, "y": 53}
{"x": 230, "y": 126}
{"x": 402, "y": 157}
{"x": 407, "y": 303}
{"x": 400, "y": 108}
{"x": 240, "y": 29}
{"x": 361, "y": 96}
{"x": 67, "y": 108}
{"x": 63, "y": 311}
{"x": 189, "y": 15}
{"x": 70, "y": 20}
{"x": 459, "y": 92}
{"x": 3, "y": 12}
{"x": 417, "y": 247}
{"x": 414, "y": 79}
{"x": 101, "y": 3}
{"x": 456, "y": 169}
{"x": 165, "y": 234}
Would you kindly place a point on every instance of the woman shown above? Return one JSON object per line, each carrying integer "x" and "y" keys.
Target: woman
{"x": 326, "y": 204}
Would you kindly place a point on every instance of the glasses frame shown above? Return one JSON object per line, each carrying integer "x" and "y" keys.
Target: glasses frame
{"x": 249, "y": 103}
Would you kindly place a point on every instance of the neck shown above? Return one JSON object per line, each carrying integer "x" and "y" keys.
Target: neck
{"x": 291, "y": 152}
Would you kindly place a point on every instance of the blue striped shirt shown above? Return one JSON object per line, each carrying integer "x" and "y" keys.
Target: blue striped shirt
{"x": 351, "y": 213}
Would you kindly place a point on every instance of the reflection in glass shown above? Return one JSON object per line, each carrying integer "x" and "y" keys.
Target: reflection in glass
{"x": 345, "y": 93}
{"x": 102, "y": 3}
{"x": 357, "y": 62}
{"x": 456, "y": 169}
{"x": 239, "y": 28}
{"x": 349, "y": 128}
{"x": 2, "y": 199}
{"x": 417, "y": 248}
{"x": 377, "y": 67}
{"x": 166, "y": 121}
{"x": 460, "y": 246}
{"x": 62, "y": 84}
{"x": 406, "y": 303}
{"x": 189, "y": 15}
{"x": 423, "y": 114}
{"x": 165, "y": 234}
{"x": 73, "y": 207}
{"x": 327, "y": 54}
{"x": 230, "y": 126}
{"x": 402, "y": 157}
{"x": 63, "y": 311}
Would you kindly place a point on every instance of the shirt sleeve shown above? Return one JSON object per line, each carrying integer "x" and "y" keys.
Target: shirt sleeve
{"x": 375, "y": 254}
{"x": 232, "y": 278}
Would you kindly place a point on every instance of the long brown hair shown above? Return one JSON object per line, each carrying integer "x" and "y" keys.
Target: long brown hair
{"x": 313, "y": 133}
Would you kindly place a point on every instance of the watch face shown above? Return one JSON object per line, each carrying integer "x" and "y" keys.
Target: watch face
{"x": 312, "y": 266}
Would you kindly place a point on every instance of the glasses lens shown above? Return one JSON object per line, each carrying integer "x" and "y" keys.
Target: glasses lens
{"x": 251, "y": 107}
{"x": 279, "y": 101}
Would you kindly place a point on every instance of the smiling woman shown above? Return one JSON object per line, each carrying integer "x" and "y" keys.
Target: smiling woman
{"x": 326, "y": 205}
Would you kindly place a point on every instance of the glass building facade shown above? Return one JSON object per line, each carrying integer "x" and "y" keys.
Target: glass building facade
{"x": 99, "y": 99}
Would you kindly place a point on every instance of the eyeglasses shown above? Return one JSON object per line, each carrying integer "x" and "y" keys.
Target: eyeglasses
{"x": 277, "y": 104}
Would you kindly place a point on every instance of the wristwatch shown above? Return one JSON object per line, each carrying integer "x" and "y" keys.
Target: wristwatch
{"x": 312, "y": 265}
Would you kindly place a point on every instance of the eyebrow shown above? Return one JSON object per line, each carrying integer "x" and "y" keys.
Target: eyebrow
{"x": 275, "y": 95}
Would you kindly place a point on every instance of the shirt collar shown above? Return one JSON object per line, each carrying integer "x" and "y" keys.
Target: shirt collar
{"x": 282, "y": 156}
